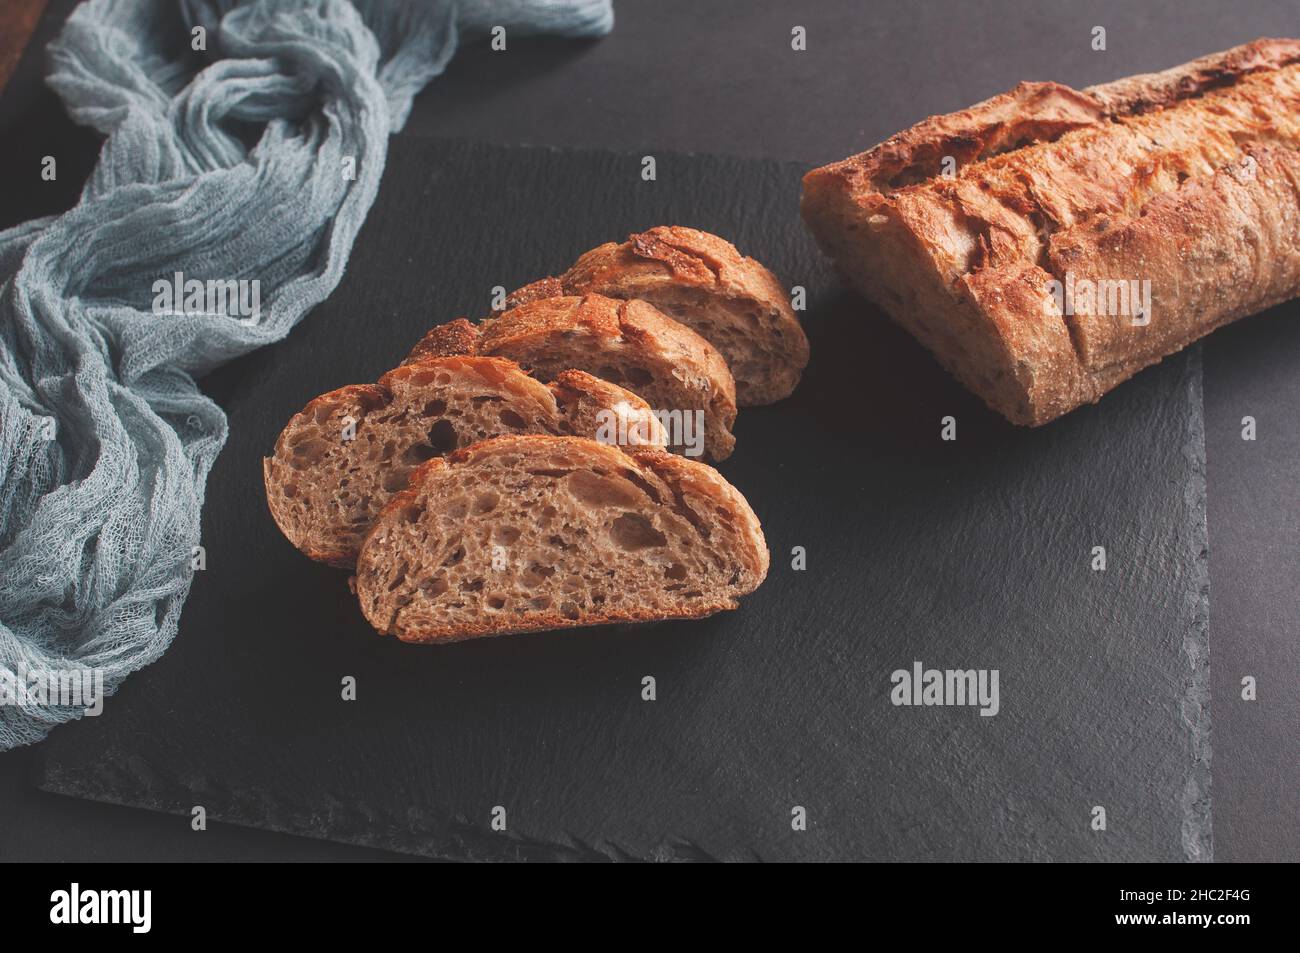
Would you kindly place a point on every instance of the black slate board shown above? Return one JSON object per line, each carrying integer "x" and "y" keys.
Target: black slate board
{"x": 973, "y": 554}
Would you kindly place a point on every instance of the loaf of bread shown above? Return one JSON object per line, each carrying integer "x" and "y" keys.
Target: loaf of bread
{"x": 346, "y": 454}
{"x": 1049, "y": 243}
{"x": 521, "y": 533}
{"x": 702, "y": 281}
{"x": 628, "y": 342}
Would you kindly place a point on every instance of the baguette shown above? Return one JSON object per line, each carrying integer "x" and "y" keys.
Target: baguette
{"x": 1085, "y": 234}
{"x": 628, "y": 342}
{"x": 344, "y": 456}
{"x": 702, "y": 281}
{"x": 528, "y": 532}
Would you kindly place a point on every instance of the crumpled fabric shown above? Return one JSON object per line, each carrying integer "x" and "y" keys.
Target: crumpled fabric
{"x": 226, "y": 164}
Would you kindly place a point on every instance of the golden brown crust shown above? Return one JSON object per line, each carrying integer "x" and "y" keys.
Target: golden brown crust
{"x": 528, "y": 332}
{"x": 493, "y": 371}
{"x": 1039, "y": 112}
{"x": 445, "y": 340}
{"x": 1131, "y": 182}
{"x": 1138, "y": 94}
{"x": 1031, "y": 112}
{"x": 584, "y": 331}
{"x": 1228, "y": 242}
{"x": 611, "y": 319}
{"x": 536, "y": 291}
{"x": 702, "y": 281}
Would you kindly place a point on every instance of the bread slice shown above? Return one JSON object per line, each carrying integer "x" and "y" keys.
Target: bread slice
{"x": 628, "y": 342}
{"x": 702, "y": 281}
{"x": 1181, "y": 187}
{"x": 341, "y": 459}
{"x": 528, "y": 532}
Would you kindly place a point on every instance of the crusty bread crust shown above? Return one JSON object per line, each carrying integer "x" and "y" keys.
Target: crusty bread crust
{"x": 702, "y": 281}
{"x": 1146, "y": 91}
{"x": 455, "y": 338}
{"x": 1185, "y": 179}
{"x": 324, "y": 488}
{"x": 402, "y": 571}
{"x": 598, "y": 334}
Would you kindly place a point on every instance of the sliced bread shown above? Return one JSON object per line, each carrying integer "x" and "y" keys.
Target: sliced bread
{"x": 702, "y": 281}
{"x": 529, "y": 532}
{"x": 345, "y": 455}
{"x": 630, "y": 343}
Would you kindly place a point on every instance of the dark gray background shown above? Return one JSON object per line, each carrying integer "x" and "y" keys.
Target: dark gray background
{"x": 720, "y": 77}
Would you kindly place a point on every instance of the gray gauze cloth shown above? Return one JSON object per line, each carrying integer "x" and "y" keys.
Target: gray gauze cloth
{"x": 245, "y": 143}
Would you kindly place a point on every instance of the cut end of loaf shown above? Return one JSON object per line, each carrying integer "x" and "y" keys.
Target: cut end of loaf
{"x": 524, "y": 533}
{"x": 340, "y": 460}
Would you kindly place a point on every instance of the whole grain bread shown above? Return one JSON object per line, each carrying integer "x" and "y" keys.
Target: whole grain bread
{"x": 344, "y": 456}
{"x": 628, "y": 342}
{"x": 528, "y": 532}
{"x": 1078, "y": 236}
{"x": 702, "y": 281}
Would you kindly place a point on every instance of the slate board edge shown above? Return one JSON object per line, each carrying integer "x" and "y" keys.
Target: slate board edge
{"x": 461, "y": 841}
{"x": 1198, "y": 804}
